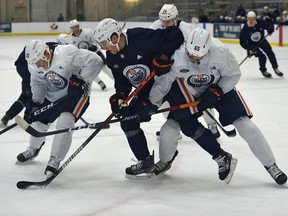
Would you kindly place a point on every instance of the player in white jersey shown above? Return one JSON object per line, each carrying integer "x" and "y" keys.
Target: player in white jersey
{"x": 168, "y": 16}
{"x": 210, "y": 72}
{"x": 83, "y": 38}
{"x": 57, "y": 72}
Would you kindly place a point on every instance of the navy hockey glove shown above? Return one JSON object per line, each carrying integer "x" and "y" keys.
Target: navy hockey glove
{"x": 118, "y": 106}
{"x": 210, "y": 97}
{"x": 161, "y": 66}
{"x": 270, "y": 29}
{"x": 78, "y": 87}
{"x": 145, "y": 110}
{"x": 29, "y": 111}
{"x": 250, "y": 53}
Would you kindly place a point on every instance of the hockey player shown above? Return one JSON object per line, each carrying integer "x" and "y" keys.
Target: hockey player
{"x": 56, "y": 72}
{"x": 131, "y": 56}
{"x": 210, "y": 72}
{"x": 252, "y": 39}
{"x": 168, "y": 16}
{"x": 26, "y": 95}
{"x": 83, "y": 38}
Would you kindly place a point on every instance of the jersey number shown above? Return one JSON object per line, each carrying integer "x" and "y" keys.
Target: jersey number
{"x": 196, "y": 48}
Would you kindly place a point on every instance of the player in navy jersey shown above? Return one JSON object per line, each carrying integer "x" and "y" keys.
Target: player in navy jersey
{"x": 130, "y": 55}
{"x": 26, "y": 95}
{"x": 251, "y": 36}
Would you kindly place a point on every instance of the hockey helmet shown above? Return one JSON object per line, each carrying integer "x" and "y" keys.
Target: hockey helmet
{"x": 73, "y": 23}
{"x": 251, "y": 14}
{"x": 63, "y": 39}
{"x": 198, "y": 42}
{"x": 35, "y": 50}
{"x": 105, "y": 29}
{"x": 168, "y": 12}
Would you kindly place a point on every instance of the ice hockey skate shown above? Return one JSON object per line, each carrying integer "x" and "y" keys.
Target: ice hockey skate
{"x": 52, "y": 166}
{"x": 279, "y": 177}
{"x": 266, "y": 74}
{"x": 141, "y": 169}
{"x": 213, "y": 128}
{"x": 29, "y": 154}
{"x": 278, "y": 72}
{"x": 227, "y": 165}
{"x": 161, "y": 168}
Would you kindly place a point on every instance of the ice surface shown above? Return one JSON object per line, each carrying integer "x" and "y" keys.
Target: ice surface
{"x": 94, "y": 182}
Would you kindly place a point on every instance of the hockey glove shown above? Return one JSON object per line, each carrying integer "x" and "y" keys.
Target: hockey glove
{"x": 29, "y": 111}
{"x": 145, "y": 110}
{"x": 210, "y": 97}
{"x": 250, "y": 53}
{"x": 161, "y": 66}
{"x": 78, "y": 87}
{"x": 118, "y": 106}
{"x": 270, "y": 29}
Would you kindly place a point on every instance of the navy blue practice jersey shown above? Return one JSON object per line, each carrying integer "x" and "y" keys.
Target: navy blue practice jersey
{"x": 251, "y": 36}
{"x": 133, "y": 63}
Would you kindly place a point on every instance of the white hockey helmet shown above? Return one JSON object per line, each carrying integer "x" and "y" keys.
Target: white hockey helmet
{"x": 105, "y": 29}
{"x": 73, "y": 23}
{"x": 35, "y": 50}
{"x": 168, "y": 12}
{"x": 63, "y": 39}
{"x": 198, "y": 42}
{"x": 251, "y": 14}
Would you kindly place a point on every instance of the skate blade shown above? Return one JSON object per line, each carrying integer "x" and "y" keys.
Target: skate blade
{"x": 232, "y": 169}
{"x": 24, "y": 163}
{"x": 140, "y": 176}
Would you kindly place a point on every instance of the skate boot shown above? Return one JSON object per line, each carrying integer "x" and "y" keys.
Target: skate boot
{"x": 266, "y": 74}
{"x": 52, "y": 166}
{"x": 213, "y": 128}
{"x": 102, "y": 85}
{"x": 179, "y": 137}
{"x": 29, "y": 154}
{"x": 226, "y": 164}
{"x": 278, "y": 72}
{"x": 161, "y": 167}
{"x": 5, "y": 119}
{"x": 142, "y": 167}
{"x": 279, "y": 177}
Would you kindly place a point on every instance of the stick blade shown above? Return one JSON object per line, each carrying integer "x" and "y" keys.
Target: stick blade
{"x": 32, "y": 185}
{"x": 21, "y": 122}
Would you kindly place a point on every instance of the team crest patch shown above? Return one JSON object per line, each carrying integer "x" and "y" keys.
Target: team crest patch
{"x": 200, "y": 80}
{"x": 256, "y": 36}
{"x": 56, "y": 80}
{"x": 136, "y": 73}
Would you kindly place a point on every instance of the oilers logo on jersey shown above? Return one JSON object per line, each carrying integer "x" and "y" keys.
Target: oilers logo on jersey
{"x": 136, "y": 73}
{"x": 200, "y": 80}
{"x": 56, "y": 80}
{"x": 256, "y": 36}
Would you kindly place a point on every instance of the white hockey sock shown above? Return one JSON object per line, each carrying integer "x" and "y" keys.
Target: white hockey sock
{"x": 62, "y": 142}
{"x": 249, "y": 131}
{"x": 36, "y": 142}
{"x": 168, "y": 140}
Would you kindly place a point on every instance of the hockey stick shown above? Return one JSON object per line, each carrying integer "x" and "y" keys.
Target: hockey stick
{"x": 29, "y": 129}
{"x": 256, "y": 47}
{"x": 37, "y": 112}
{"x": 231, "y": 133}
{"x": 91, "y": 125}
{"x": 42, "y": 184}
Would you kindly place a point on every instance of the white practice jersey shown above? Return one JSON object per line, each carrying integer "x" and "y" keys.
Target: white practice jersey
{"x": 218, "y": 66}
{"x": 67, "y": 60}
{"x": 185, "y": 27}
{"x": 85, "y": 40}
